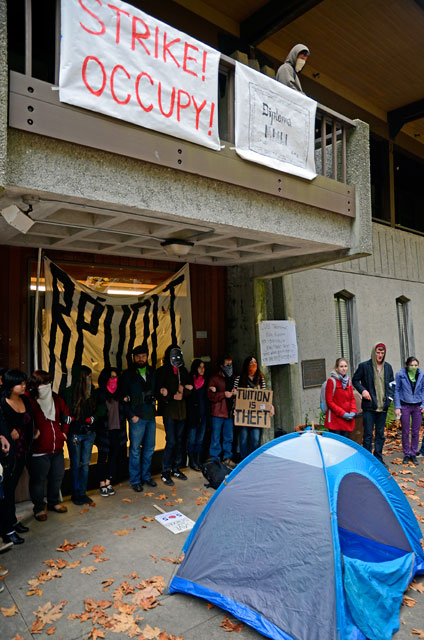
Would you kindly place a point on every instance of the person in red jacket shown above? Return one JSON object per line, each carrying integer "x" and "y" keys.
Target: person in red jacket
{"x": 51, "y": 418}
{"x": 221, "y": 395}
{"x": 340, "y": 400}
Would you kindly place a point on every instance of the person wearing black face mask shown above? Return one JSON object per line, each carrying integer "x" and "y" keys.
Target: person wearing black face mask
{"x": 221, "y": 393}
{"x": 172, "y": 387}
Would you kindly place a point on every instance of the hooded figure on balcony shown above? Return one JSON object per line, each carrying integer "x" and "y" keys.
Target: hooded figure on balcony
{"x": 288, "y": 73}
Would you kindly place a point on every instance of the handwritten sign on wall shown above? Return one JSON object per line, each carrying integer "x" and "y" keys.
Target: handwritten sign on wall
{"x": 278, "y": 342}
{"x": 119, "y": 61}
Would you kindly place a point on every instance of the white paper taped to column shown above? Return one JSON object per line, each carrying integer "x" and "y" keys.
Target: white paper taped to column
{"x": 278, "y": 342}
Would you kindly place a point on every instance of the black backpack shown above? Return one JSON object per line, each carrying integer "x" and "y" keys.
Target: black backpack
{"x": 215, "y": 472}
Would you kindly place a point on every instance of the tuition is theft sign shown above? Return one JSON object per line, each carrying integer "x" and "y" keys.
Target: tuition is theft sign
{"x": 253, "y": 407}
{"x": 119, "y": 61}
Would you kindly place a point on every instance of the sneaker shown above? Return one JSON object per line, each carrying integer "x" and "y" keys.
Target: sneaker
{"x": 179, "y": 474}
{"x": 78, "y": 500}
{"x": 137, "y": 487}
{"x": 150, "y": 482}
{"x": 13, "y": 537}
{"x": 229, "y": 463}
{"x": 414, "y": 459}
{"x": 104, "y": 492}
{"x": 110, "y": 490}
{"x": 166, "y": 479}
{"x": 3, "y": 573}
{"x": 405, "y": 460}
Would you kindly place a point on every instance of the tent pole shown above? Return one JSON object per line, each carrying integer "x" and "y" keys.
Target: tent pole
{"x": 36, "y": 311}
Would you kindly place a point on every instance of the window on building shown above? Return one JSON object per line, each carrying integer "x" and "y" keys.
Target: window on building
{"x": 344, "y": 327}
{"x": 402, "y": 306}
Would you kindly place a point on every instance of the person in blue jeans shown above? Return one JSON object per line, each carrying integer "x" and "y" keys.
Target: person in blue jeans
{"x": 221, "y": 393}
{"x": 137, "y": 389}
{"x": 81, "y": 398}
{"x": 197, "y": 408}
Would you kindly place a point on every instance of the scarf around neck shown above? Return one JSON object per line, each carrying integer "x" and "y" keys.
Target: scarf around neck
{"x": 46, "y": 401}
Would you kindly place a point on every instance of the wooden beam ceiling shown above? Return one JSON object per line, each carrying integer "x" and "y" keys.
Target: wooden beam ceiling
{"x": 408, "y": 113}
{"x": 272, "y": 17}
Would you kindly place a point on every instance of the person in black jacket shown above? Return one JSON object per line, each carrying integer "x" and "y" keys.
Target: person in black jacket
{"x": 138, "y": 393}
{"x": 197, "y": 410}
{"x": 372, "y": 379}
{"x": 111, "y": 434}
{"x": 173, "y": 386}
{"x": 18, "y": 425}
{"x": 81, "y": 398}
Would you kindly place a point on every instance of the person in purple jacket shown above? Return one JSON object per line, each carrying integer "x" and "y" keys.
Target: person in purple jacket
{"x": 409, "y": 406}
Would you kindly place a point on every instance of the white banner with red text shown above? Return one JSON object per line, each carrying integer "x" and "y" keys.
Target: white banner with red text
{"x": 119, "y": 61}
{"x": 274, "y": 125}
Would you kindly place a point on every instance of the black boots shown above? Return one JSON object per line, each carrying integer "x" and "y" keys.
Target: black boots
{"x": 194, "y": 461}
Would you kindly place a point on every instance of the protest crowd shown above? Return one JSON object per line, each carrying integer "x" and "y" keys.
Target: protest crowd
{"x": 198, "y": 417}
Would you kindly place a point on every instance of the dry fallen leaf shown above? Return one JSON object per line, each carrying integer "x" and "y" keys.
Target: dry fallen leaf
{"x": 97, "y": 550}
{"x": 104, "y": 559}
{"x": 126, "y": 499}
{"x": 209, "y": 605}
{"x": 148, "y": 518}
{"x": 84, "y": 511}
{"x": 409, "y": 602}
{"x": 34, "y": 592}
{"x": 174, "y": 560}
{"x": 37, "y": 626}
{"x": 122, "y": 532}
{"x": 162, "y": 496}
{"x": 9, "y": 611}
{"x": 106, "y": 583}
{"x": 417, "y": 586}
{"x": 132, "y": 576}
{"x": 149, "y": 633}
{"x": 96, "y": 633}
{"x": 417, "y": 632}
{"x": 51, "y": 631}
{"x": 231, "y": 626}
{"x": 18, "y": 637}
{"x": 149, "y": 494}
{"x": 88, "y": 570}
{"x": 48, "y": 613}
{"x": 154, "y": 557}
{"x": 73, "y": 564}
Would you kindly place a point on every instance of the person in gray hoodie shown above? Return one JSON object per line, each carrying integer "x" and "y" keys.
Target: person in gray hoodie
{"x": 288, "y": 73}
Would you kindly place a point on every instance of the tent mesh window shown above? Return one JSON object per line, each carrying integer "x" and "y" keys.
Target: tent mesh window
{"x": 343, "y": 308}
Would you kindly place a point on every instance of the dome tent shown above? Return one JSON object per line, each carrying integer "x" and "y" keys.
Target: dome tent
{"x": 310, "y": 539}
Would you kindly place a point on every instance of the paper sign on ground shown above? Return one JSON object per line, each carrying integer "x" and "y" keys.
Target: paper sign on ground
{"x": 175, "y": 521}
{"x": 252, "y": 408}
{"x": 117, "y": 60}
{"x": 274, "y": 125}
{"x": 278, "y": 342}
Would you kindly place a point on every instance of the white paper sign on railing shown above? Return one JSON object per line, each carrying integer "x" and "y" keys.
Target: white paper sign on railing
{"x": 274, "y": 125}
{"x": 278, "y": 342}
{"x": 117, "y": 60}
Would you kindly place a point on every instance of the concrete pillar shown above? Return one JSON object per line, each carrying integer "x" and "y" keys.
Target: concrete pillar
{"x": 358, "y": 174}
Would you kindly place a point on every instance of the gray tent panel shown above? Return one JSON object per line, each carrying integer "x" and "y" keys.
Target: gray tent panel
{"x": 258, "y": 547}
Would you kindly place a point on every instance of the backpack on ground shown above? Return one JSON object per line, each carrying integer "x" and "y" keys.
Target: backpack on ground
{"x": 322, "y": 400}
{"x": 215, "y": 472}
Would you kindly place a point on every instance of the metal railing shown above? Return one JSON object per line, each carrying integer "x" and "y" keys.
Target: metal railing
{"x": 330, "y": 127}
